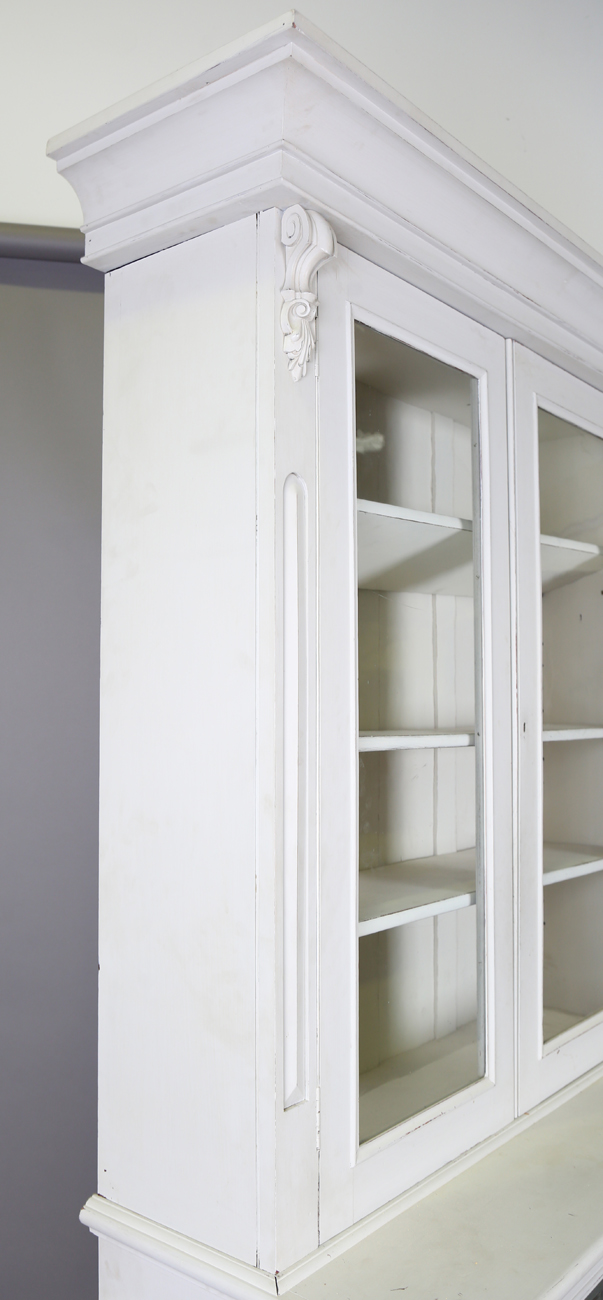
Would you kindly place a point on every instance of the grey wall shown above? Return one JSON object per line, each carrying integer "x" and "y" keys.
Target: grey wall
{"x": 50, "y": 461}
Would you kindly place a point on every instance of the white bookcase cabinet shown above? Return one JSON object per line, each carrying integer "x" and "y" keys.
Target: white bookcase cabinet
{"x": 348, "y": 379}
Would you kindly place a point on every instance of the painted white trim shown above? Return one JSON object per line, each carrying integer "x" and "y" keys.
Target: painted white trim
{"x": 233, "y": 1278}
{"x": 174, "y": 86}
{"x": 581, "y": 1278}
{"x": 370, "y": 742}
{"x": 416, "y": 516}
{"x": 393, "y": 920}
{"x": 229, "y": 1276}
{"x": 543, "y": 1067}
{"x": 175, "y": 162}
{"x": 510, "y": 386}
{"x": 309, "y": 243}
{"x": 279, "y": 33}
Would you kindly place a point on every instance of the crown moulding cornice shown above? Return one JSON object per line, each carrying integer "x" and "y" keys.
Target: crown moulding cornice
{"x": 287, "y": 118}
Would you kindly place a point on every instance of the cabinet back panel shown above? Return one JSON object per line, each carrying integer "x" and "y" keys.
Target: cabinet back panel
{"x": 572, "y": 634}
{"x": 573, "y": 953}
{"x": 571, "y": 480}
{"x": 414, "y": 803}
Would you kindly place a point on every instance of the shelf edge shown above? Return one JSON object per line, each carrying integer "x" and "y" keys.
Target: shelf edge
{"x": 376, "y": 924}
{"x": 374, "y": 743}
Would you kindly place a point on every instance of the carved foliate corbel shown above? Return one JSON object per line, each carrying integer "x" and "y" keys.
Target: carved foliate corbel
{"x": 310, "y": 242}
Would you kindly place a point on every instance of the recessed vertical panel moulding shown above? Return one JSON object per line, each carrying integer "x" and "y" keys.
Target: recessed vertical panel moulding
{"x": 421, "y": 999}
{"x": 295, "y": 785}
{"x": 571, "y": 522}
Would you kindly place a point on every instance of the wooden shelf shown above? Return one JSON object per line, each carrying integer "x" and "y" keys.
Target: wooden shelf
{"x": 413, "y": 550}
{"x": 410, "y": 550}
{"x": 410, "y": 1082}
{"x": 556, "y": 1022}
{"x": 570, "y": 731}
{"x": 403, "y": 892}
{"x": 460, "y": 738}
{"x": 563, "y": 560}
{"x": 408, "y": 891}
{"x": 379, "y": 741}
{"x": 568, "y": 861}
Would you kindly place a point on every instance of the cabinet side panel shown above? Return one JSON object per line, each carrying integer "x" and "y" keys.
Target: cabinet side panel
{"x": 177, "y": 909}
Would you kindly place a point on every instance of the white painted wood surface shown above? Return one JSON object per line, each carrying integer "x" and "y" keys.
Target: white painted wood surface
{"x": 295, "y": 788}
{"x": 290, "y": 115}
{"x": 404, "y": 550}
{"x": 177, "y": 869}
{"x": 353, "y": 1184}
{"x": 404, "y": 891}
{"x": 569, "y": 806}
{"x": 564, "y": 560}
{"x": 525, "y": 1221}
{"x": 568, "y": 861}
{"x": 286, "y": 432}
{"x": 190, "y": 889}
{"x": 567, "y": 731}
{"x": 381, "y": 741}
{"x": 229, "y": 833}
{"x": 489, "y": 1202}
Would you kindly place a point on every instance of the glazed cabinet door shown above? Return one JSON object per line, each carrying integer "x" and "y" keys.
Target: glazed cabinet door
{"x": 559, "y": 491}
{"x": 416, "y": 956}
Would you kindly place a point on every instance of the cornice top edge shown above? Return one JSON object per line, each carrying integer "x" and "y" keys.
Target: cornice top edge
{"x": 292, "y": 35}
{"x": 412, "y": 124}
{"x": 175, "y": 86}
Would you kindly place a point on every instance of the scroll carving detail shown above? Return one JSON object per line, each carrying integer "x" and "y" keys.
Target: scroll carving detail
{"x": 310, "y": 242}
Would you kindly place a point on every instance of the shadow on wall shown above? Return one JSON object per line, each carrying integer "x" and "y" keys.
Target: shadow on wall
{"x": 50, "y": 472}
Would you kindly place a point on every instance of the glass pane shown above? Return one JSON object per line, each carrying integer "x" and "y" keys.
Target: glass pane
{"x": 571, "y": 521}
{"x": 420, "y": 945}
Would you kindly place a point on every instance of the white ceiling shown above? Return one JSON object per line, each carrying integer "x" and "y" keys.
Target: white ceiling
{"x": 517, "y": 81}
